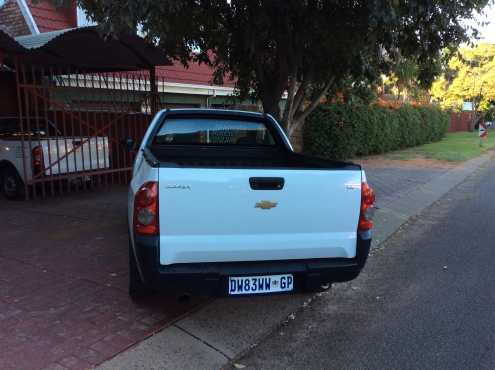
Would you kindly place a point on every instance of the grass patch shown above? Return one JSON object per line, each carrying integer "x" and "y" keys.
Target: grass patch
{"x": 454, "y": 147}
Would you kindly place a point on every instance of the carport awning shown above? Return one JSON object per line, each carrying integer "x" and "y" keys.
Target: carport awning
{"x": 85, "y": 49}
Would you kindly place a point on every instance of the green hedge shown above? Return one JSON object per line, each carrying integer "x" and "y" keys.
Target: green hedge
{"x": 344, "y": 131}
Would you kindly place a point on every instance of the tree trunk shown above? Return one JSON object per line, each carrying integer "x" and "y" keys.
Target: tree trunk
{"x": 272, "y": 82}
{"x": 300, "y": 115}
{"x": 294, "y": 115}
{"x": 271, "y": 105}
{"x": 289, "y": 104}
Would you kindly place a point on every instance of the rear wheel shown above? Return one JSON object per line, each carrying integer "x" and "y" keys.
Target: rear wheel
{"x": 12, "y": 184}
{"x": 137, "y": 288}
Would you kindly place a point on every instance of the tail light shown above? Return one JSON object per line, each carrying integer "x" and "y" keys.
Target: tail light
{"x": 37, "y": 160}
{"x": 146, "y": 209}
{"x": 367, "y": 201}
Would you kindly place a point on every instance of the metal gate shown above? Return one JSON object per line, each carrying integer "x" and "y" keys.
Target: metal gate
{"x": 76, "y": 127}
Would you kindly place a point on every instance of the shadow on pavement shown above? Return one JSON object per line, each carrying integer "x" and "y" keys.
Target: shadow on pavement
{"x": 63, "y": 283}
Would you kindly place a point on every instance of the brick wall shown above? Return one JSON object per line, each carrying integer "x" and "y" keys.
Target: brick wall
{"x": 12, "y": 20}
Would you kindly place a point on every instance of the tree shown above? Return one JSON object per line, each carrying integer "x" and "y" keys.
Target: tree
{"x": 403, "y": 82}
{"x": 470, "y": 76}
{"x": 304, "y": 48}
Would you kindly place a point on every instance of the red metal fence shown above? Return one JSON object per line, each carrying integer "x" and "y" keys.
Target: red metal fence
{"x": 460, "y": 121}
{"x": 74, "y": 126}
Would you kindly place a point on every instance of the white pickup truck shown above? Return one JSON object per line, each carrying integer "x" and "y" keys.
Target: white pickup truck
{"x": 220, "y": 205}
{"x": 45, "y": 155}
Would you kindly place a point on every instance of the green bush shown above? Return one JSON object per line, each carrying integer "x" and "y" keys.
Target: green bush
{"x": 346, "y": 131}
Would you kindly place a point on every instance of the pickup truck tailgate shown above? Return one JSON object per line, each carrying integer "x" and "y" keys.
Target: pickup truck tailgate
{"x": 77, "y": 154}
{"x": 214, "y": 215}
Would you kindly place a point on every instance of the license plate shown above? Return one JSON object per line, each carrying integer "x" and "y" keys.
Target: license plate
{"x": 260, "y": 284}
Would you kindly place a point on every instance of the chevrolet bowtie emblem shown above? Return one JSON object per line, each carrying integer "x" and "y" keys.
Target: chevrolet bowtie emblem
{"x": 265, "y": 204}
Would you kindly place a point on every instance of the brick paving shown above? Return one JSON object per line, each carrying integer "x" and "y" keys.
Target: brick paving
{"x": 63, "y": 284}
{"x": 63, "y": 275}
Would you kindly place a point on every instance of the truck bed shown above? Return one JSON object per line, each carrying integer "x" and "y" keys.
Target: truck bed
{"x": 235, "y": 157}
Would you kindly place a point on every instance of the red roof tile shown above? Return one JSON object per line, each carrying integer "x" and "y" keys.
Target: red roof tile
{"x": 199, "y": 74}
{"x": 48, "y": 17}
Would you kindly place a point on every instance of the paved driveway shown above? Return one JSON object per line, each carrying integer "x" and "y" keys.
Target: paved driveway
{"x": 63, "y": 284}
{"x": 392, "y": 179}
{"x": 63, "y": 281}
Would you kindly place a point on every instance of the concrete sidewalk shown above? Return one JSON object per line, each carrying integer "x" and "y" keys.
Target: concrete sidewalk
{"x": 396, "y": 210}
{"x": 221, "y": 331}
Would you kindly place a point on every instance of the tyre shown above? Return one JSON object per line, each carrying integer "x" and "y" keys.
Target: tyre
{"x": 12, "y": 184}
{"x": 137, "y": 288}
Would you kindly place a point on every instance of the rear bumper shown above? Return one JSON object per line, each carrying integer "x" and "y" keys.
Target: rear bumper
{"x": 212, "y": 278}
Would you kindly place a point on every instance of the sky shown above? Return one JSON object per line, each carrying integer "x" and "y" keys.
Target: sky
{"x": 487, "y": 32}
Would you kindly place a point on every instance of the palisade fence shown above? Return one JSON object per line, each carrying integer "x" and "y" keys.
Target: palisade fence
{"x": 75, "y": 126}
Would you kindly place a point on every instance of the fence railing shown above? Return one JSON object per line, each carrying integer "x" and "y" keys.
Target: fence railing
{"x": 74, "y": 127}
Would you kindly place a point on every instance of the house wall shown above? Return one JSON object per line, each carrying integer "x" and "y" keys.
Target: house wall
{"x": 181, "y": 101}
{"x": 12, "y": 20}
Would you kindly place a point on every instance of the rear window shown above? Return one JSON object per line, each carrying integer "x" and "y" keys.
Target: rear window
{"x": 213, "y": 131}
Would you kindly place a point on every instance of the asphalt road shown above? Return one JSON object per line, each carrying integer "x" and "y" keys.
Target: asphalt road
{"x": 426, "y": 299}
